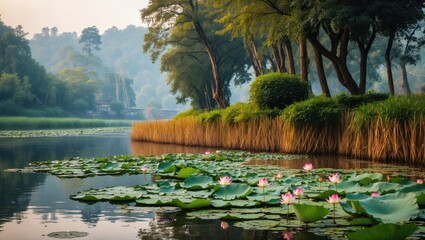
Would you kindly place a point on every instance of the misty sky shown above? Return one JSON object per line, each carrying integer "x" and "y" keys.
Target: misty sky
{"x": 70, "y": 15}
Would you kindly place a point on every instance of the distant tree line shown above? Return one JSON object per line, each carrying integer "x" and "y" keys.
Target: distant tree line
{"x": 79, "y": 82}
{"x": 203, "y": 45}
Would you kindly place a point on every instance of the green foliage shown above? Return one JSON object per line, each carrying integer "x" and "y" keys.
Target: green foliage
{"x": 315, "y": 111}
{"x": 384, "y": 232}
{"x": 389, "y": 208}
{"x": 395, "y": 108}
{"x": 278, "y": 90}
{"x": 210, "y": 116}
{"x": 309, "y": 213}
{"x": 191, "y": 112}
{"x": 350, "y": 102}
{"x": 90, "y": 38}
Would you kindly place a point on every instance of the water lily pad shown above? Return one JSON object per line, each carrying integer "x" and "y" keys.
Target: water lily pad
{"x": 234, "y": 203}
{"x": 198, "y": 182}
{"x": 166, "y": 167}
{"x": 384, "y": 232}
{"x": 257, "y": 224}
{"x": 390, "y": 208}
{"x": 309, "y": 213}
{"x": 232, "y": 191}
{"x": 197, "y": 203}
{"x": 186, "y": 172}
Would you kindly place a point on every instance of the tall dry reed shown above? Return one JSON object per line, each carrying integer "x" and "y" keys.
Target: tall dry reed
{"x": 379, "y": 140}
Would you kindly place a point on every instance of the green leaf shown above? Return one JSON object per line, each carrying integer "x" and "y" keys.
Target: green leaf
{"x": 234, "y": 203}
{"x": 384, "y": 232}
{"x": 166, "y": 167}
{"x": 360, "y": 222}
{"x": 323, "y": 195}
{"x": 309, "y": 213}
{"x": 186, "y": 172}
{"x": 197, "y": 203}
{"x": 232, "y": 191}
{"x": 198, "y": 182}
{"x": 391, "y": 208}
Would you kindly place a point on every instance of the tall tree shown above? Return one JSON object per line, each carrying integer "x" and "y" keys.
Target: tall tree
{"x": 189, "y": 69}
{"x": 395, "y": 16}
{"x": 91, "y": 40}
{"x": 163, "y": 15}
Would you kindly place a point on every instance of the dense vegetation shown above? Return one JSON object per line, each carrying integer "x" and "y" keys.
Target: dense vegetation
{"x": 355, "y": 46}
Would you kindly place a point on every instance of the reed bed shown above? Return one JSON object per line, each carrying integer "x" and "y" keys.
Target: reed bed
{"x": 387, "y": 140}
{"x": 28, "y": 123}
{"x": 380, "y": 139}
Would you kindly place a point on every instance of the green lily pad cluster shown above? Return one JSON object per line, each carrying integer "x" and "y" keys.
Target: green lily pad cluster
{"x": 123, "y": 164}
{"x": 191, "y": 182}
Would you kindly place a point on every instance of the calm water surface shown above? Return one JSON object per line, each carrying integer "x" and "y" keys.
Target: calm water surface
{"x": 34, "y": 205}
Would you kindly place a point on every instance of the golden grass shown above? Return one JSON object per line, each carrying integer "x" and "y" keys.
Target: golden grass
{"x": 381, "y": 140}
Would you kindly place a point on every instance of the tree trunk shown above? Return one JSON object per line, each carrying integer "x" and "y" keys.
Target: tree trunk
{"x": 363, "y": 71}
{"x": 217, "y": 91}
{"x": 256, "y": 62}
{"x": 279, "y": 56}
{"x": 290, "y": 56}
{"x": 318, "y": 59}
{"x": 303, "y": 58}
{"x": 405, "y": 88}
{"x": 388, "y": 63}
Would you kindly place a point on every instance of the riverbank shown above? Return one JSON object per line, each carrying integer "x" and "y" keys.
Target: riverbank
{"x": 28, "y": 123}
{"x": 376, "y": 132}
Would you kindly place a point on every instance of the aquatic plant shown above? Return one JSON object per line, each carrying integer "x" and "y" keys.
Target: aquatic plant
{"x": 222, "y": 186}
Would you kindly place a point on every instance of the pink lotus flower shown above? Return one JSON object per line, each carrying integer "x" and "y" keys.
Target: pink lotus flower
{"x": 144, "y": 169}
{"x": 288, "y": 235}
{"x": 207, "y": 153}
{"x": 308, "y": 167}
{"x": 298, "y": 192}
{"x": 224, "y": 181}
{"x": 333, "y": 199}
{"x": 287, "y": 198}
{"x": 217, "y": 151}
{"x": 374, "y": 194}
{"x": 419, "y": 181}
{"x": 263, "y": 182}
{"x": 334, "y": 178}
{"x": 279, "y": 175}
{"x": 224, "y": 225}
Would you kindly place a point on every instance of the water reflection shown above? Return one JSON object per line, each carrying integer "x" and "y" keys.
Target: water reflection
{"x": 175, "y": 226}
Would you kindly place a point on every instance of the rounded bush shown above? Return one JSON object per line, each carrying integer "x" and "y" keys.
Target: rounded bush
{"x": 315, "y": 111}
{"x": 278, "y": 90}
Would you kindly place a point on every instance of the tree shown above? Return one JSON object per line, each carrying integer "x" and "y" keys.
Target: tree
{"x": 163, "y": 15}
{"x": 90, "y": 39}
{"x": 410, "y": 46}
{"x": 395, "y": 16}
{"x": 189, "y": 69}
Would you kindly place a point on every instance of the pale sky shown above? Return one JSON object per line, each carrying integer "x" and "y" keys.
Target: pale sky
{"x": 70, "y": 15}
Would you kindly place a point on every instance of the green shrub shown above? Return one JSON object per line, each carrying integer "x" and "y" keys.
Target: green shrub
{"x": 398, "y": 108}
{"x": 352, "y": 101}
{"x": 278, "y": 90}
{"x": 210, "y": 116}
{"x": 191, "y": 112}
{"x": 314, "y": 111}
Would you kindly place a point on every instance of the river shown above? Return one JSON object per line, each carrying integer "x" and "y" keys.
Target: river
{"x": 36, "y": 204}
